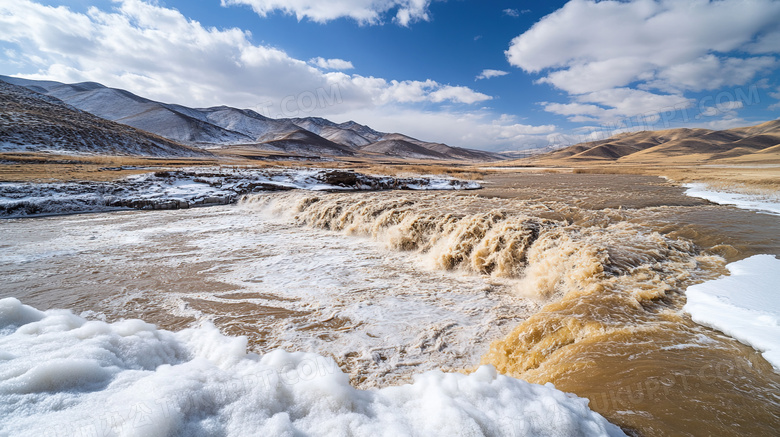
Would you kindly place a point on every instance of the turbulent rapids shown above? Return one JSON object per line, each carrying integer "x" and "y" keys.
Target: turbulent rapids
{"x": 588, "y": 282}
{"x": 611, "y": 285}
{"x": 550, "y": 253}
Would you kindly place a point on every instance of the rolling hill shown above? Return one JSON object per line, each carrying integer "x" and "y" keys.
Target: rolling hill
{"x": 745, "y": 144}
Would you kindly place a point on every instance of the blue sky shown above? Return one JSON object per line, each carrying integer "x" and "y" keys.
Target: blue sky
{"x": 496, "y": 75}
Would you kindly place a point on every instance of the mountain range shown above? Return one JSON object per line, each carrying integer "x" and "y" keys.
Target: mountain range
{"x": 224, "y": 126}
{"x": 753, "y": 144}
{"x": 91, "y": 118}
{"x": 33, "y": 122}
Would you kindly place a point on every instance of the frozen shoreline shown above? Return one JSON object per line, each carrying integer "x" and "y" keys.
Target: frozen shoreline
{"x": 187, "y": 188}
{"x": 752, "y": 202}
{"x": 744, "y": 305}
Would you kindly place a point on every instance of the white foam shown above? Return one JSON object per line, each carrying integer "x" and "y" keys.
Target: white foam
{"x": 377, "y": 312}
{"x": 744, "y": 305}
{"x": 766, "y": 204}
{"x": 64, "y": 375}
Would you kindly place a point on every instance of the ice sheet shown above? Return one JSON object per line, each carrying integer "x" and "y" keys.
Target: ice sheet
{"x": 766, "y": 204}
{"x": 744, "y": 305}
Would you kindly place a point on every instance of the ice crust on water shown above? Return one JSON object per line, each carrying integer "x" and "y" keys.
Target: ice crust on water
{"x": 64, "y": 375}
{"x": 194, "y": 187}
{"x": 765, "y": 204}
{"x": 744, "y": 305}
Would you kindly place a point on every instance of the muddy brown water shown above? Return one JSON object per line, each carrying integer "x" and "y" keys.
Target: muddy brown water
{"x": 657, "y": 373}
{"x": 605, "y": 259}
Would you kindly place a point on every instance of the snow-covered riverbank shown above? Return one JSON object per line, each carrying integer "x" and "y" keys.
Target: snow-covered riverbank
{"x": 194, "y": 187}
{"x": 769, "y": 204}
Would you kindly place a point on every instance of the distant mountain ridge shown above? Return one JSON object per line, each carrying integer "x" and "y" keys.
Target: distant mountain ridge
{"x": 682, "y": 145}
{"x": 224, "y": 126}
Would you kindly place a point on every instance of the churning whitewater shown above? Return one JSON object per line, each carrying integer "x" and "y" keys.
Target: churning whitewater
{"x": 323, "y": 313}
{"x": 611, "y": 282}
{"x": 65, "y": 376}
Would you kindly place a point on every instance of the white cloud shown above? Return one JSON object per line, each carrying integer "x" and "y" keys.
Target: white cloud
{"x": 665, "y": 46}
{"x": 159, "y": 53}
{"x": 775, "y": 95}
{"x": 515, "y": 12}
{"x": 488, "y": 73}
{"x": 597, "y": 75}
{"x": 611, "y": 105}
{"x": 460, "y": 94}
{"x": 331, "y": 64}
{"x": 474, "y": 129}
{"x": 727, "y": 122}
{"x": 729, "y": 108}
{"x": 413, "y": 91}
{"x": 710, "y": 72}
{"x": 664, "y": 33}
{"x": 362, "y": 11}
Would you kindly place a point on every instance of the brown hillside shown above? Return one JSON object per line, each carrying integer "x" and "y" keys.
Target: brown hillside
{"x": 682, "y": 145}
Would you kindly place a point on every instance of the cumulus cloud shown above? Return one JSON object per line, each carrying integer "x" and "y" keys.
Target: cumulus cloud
{"x": 157, "y": 52}
{"x": 617, "y": 103}
{"x": 362, "y": 11}
{"x": 475, "y": 129}
{"x": 728, "y": 108}
{"x": 775, "y": 95}
{"x": 664, "y": 33}
{"x": 728, "y": 122}
{"x": 487, "y": 74}
{"x": 331, "y": 64}
{"x": 666, "y": 47}
{"x": 415, "y": 91}
{"x": 710, "y": 72}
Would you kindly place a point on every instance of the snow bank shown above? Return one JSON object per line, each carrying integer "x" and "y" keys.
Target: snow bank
{"x": 194, "y": 187}
{"x": 64, "y": 375}
{"x": 745, "y": 305}
{"x": 765, "y": 204}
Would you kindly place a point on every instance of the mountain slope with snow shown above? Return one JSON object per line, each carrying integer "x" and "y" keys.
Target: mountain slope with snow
{"x": 444, "y": 150}
{"x": 174, "y": 122}
{"x": 304, "y": 142}
{"x": 33, "y": 122}
{"x": 223, "y": 126}
{"x": 402, "y": 149}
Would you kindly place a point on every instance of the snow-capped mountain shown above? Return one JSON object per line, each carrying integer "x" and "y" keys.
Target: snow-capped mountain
{"x": 175, "y": 122}
{"x": 224, "y": 126}
{"x": 303, "y": 142}
{"x": 433, "y": 150}
{"x": 249, "y": 123}
{"x": 363, "y": 130}
{"x": 36, "y": 122}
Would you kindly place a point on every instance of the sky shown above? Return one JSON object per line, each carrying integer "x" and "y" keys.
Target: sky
{"x": 486, "y": 74}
